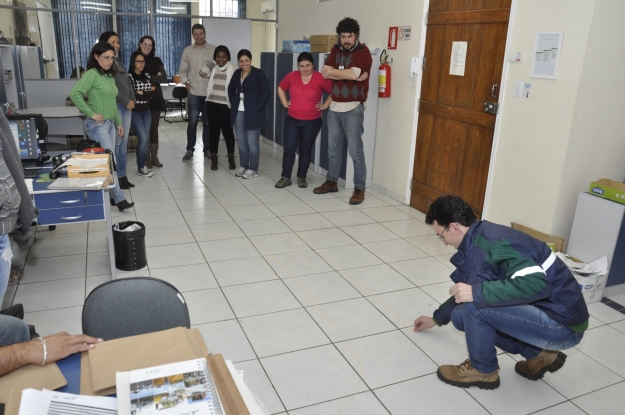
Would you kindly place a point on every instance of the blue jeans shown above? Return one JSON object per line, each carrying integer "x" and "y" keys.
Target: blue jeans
{"x": 141, "y": 122}
{"x": 523, "y": 329}
{"x": 105, "y": 133}
{"x": 302, "y": 133}
{"x": 121, "y": 143}
{"x": 347, "y": 125}
{"x": 196, "y": 105}
{"x": 13, "y": 330}
{"x": 5, "y": 263}
{"x": 248, "y": 140}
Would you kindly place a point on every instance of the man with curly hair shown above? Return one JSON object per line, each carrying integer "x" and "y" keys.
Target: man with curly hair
{"x": 511, "y": 291}
{"x": 348, "y": 67}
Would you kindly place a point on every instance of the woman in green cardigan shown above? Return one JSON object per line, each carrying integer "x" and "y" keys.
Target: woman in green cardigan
{"x": 103, "y": 120}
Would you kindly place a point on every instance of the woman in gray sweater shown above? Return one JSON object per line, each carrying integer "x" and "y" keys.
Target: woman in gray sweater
{"x": 125, "y": 103}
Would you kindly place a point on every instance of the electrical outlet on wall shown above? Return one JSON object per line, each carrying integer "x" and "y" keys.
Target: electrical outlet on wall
{"x": 518, "y": 89}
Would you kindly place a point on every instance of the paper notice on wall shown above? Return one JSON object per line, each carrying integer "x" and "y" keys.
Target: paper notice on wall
{"x": 458, "y": 58}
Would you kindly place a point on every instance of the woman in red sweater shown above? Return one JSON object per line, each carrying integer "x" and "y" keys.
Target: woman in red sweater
{"x": 303, "y": 120}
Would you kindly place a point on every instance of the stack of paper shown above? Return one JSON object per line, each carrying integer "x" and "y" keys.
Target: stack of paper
{"x": 48, "y": 402}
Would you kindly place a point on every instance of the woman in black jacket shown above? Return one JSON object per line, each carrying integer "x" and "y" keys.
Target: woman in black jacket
{"x": 248, "y": 93}
{"x": 141, "y": 120}
{"x": 156, "y": 69}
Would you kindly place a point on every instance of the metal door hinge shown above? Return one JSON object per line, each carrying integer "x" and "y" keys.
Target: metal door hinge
{"x": 423, "y": 64}
{"x": 491, "y": 107}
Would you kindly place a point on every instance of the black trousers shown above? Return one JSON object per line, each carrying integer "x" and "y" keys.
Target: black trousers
{"x": 219, "y": 121}
{"x": 156, "y": 116}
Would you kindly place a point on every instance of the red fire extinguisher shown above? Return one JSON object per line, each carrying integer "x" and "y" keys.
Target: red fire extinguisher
{"x": 384, "y": 77}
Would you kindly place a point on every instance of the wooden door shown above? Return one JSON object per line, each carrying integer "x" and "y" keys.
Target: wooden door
{"x": 454, "y": 134}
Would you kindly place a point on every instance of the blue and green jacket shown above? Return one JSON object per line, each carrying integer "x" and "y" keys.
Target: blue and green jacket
{"x": 507, "y": 267}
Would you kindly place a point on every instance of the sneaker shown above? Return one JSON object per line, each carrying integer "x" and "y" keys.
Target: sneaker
{"x": 301, "y": 182}
{"x": 143, "y": 172}
{"x": 546, "y": 361}
{"x": 283, "y": 182}
{"x": 187, "y": 156}
{"x": 239, "y": 173}
{"x": 465, "y": 375}
{"x": 250, "y": 174}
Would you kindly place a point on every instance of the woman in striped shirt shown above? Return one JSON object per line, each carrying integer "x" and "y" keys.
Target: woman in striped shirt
{"x": 218, "y": 106}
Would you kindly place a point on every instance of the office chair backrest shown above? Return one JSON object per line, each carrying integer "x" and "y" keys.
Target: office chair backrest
{"x": 131, "y": 306}
{"x": 179, "y": 92}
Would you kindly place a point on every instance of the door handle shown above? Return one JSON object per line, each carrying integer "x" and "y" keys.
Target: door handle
{"x": 492, "y": 90}
{"x": 69, "y": 202}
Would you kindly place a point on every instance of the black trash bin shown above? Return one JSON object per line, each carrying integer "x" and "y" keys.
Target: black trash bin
{"x": 129, "y": 247}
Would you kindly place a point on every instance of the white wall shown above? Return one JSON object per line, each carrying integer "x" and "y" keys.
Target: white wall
{"x": 395, "y": 114}
{"x": 263, "y": 34}
{"x": 597, "y": 141}
{"x": 534, "y": 134}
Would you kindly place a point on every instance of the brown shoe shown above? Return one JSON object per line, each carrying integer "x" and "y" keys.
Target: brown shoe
{"x": 465, "y": 375}
{"x": 148, "y": 160}
{"x": 357, "y": 197}
{"x": 231, "y": 164}
{"x": 546, "y": 361}
{"x": 213, "y": 158}
{"x": 154, "y": 154}
{"x": 327, "y": 186}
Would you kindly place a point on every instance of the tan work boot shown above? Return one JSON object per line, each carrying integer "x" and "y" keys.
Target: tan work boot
{"x": 546, "y": 361}
{"x": 357, "y": 197}
{"x": 154, "y": 153}
{"x": 465, "y": 375}
{"x": 327, "y": 186}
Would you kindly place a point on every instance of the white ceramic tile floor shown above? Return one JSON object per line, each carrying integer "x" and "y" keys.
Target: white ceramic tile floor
{"x": 324, "y": 297}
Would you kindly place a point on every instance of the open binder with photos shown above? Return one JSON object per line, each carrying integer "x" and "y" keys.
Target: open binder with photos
{"x": 181, "y": 388}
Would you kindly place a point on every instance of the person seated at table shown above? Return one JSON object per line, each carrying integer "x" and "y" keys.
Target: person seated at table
{"x": 43, "y": 350}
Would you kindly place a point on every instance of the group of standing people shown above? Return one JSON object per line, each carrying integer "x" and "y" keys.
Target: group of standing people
{"x": 117, "y": 99}
{"x": 230, "y": 100}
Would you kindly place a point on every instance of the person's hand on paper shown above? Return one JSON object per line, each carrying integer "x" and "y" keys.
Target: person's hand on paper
{"x": 97, "y": 118}
{"x": 120, "y": 131}
{"x": 57, "y": 346}
{"x": 62, "y": 344}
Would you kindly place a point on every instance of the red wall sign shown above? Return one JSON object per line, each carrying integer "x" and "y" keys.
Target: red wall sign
{"x": 393, "y": 37}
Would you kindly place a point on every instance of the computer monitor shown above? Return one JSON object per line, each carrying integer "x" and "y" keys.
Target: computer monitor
{"x": 24, "y": 129}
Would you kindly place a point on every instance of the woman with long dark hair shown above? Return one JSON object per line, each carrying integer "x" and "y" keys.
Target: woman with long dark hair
{"x": 125, "y": 104}
{"x": 218, "y": 106}
{"x": 303, "y": 120}
{"x": 156, "y": 69}
{"x": 103, "y": 122}
{"x": 145, "y": 91}
{"x": 248, "y": 93}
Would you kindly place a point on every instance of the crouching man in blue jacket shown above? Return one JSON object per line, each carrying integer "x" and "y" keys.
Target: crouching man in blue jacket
{"x": 510, "y": 291}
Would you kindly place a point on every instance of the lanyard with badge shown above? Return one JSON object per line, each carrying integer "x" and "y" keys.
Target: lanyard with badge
{"x": 242, "y": 79}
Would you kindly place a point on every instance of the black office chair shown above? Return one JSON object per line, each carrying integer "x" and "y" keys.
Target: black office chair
{"x": 179, "y": 93}
{"x": 131, "y": 306}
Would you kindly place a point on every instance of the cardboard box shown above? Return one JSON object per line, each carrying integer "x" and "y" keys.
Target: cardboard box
{"x": 322, "y": 43}
{"x": 295, "y": 46}
{"x": 609, "y": 189}
{"x": 100, "y": 170}
{"x": 556, "y": 243}
{"x": 592, "y": 296}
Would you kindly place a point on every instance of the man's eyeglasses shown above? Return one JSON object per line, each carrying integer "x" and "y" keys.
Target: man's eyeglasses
{"x": 440, "y": 237}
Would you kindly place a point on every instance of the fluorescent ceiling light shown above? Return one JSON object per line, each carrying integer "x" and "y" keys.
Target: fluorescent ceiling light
{"x": 96, "y": 8}
{"x": 95, "y": 4}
